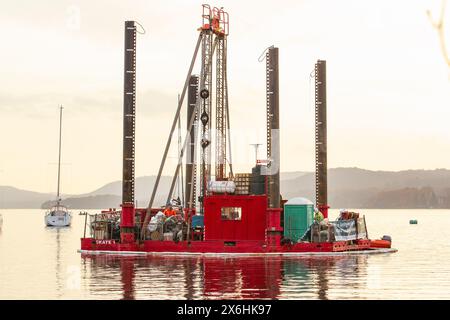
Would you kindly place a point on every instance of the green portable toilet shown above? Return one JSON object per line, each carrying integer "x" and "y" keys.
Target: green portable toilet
{"x": 298, "y": 216}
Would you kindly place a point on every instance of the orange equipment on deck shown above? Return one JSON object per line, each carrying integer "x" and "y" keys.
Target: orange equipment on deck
{"x": 380, "y": 243}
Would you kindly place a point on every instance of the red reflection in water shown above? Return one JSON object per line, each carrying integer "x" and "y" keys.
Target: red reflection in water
{"x": 223, "y": 278}
{"x": 127, "y": 277}
{"x": 253, "y": 278}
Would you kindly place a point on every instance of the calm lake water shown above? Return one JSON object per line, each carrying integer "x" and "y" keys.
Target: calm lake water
{"x": 37, "y": 262}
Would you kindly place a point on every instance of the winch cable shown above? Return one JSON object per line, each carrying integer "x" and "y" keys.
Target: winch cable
{"x": 181, "y": 181}
{"x": 192, "y": 186}
{"x": 230, "y": 162}
{"x": 262, "y": 57}
{"x": 180, "y": 156}
{"x": 177, "y": 114}
{"x": 310, "y": 101}
{"x": 140, "y": 25}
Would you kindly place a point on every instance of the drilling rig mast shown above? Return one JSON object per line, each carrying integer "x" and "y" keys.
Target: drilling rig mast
{"x": 212, "y": 39}
{"x": 214, "y": 32}
{"x": 221, "y": 95}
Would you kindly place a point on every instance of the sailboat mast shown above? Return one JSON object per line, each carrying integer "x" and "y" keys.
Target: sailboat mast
{"x": 59, "y": 153}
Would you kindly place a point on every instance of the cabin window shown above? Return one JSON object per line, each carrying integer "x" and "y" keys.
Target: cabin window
{"x": 231, "y": 213}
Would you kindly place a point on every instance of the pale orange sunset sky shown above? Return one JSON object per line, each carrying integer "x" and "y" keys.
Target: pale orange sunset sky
{"x": 388, "y": 84}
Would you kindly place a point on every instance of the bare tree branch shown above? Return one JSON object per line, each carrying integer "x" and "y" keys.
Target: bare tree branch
{"x": 439, "y": 26}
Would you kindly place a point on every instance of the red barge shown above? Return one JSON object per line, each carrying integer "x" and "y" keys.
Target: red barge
{"x": 236, "y": 214}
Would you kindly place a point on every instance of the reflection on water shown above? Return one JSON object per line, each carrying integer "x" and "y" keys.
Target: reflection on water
{"x": 58, "y": 262}
{"x": 220, "y": 278}
{"x": 43, "y": 263}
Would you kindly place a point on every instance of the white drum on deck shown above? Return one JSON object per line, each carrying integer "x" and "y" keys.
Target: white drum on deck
{"x": 222, "y": 186}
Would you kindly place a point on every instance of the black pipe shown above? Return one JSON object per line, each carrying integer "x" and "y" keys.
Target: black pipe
{"x": 129, "y": 113}
{"x": 192, "y": 101}
{"x": 321, "y": 133}
{"x": 273, "y": 127}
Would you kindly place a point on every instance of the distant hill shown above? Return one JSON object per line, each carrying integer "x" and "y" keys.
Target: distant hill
{"x": 143, "y": 189}
{"x": 292, "y": 175}
{"x": 88, "y": 202}
{"x": 359, "y": 188}
{"x": 405, "y": 198}
{"x": 347, "y": 188}
{"x": 14, "y": 198}
{"x": 107, "y": 196}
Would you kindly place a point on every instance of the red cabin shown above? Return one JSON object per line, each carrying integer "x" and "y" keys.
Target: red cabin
{"x": 235, "y": 217}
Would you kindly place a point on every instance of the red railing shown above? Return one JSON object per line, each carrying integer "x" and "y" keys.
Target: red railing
{"x": 206, "y": 16}
{"x": 216, "y": 20}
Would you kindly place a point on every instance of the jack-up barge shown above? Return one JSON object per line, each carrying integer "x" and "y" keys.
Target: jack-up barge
{"x": 232, "y": 213}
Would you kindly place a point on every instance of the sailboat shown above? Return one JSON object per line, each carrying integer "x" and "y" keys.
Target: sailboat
{"x": 58, "y": 215}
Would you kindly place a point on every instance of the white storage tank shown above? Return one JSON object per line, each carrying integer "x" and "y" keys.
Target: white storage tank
{"x": 222, "y": 186}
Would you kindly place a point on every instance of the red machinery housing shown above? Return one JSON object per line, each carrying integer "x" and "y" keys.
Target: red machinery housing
{"x": 235, "y": 218}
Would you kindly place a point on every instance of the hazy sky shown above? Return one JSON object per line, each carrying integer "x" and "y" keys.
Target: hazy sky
{"x": 388, "y": 85}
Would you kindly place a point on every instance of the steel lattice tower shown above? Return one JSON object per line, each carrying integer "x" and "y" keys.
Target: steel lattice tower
{"x": 221, "y": 106}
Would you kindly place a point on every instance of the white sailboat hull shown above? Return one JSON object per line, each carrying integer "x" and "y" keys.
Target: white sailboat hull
{"x": 58, "y": 220}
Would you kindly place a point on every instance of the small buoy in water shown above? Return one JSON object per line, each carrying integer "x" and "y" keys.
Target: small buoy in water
{"x": 413, "y": 221}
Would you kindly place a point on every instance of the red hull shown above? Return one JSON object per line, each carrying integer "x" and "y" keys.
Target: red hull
{"x": 238, "y": 247}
